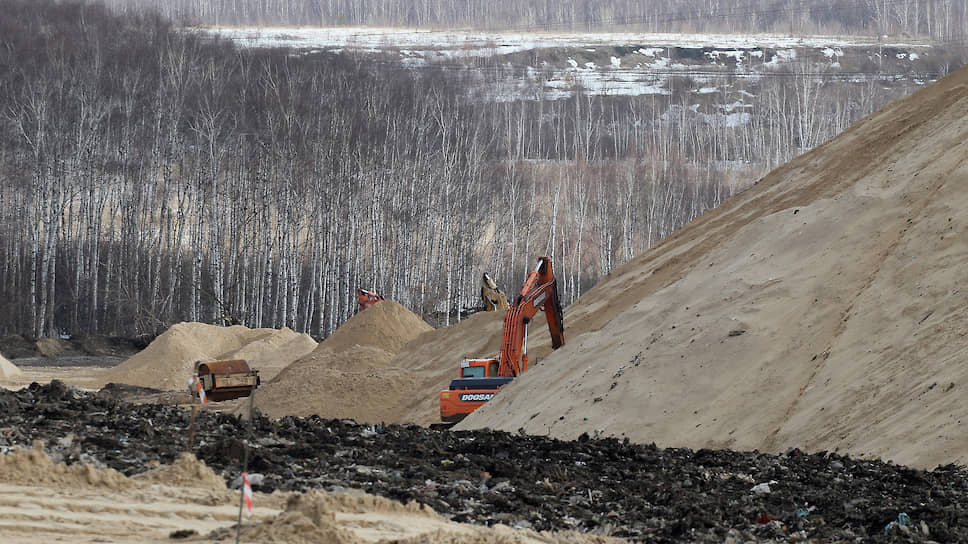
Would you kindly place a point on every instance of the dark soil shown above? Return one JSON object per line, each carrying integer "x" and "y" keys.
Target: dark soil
{"x": 88, "y": 350}
{"x": 604, "y": 486}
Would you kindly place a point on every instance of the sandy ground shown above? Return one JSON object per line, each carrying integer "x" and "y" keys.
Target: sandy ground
{"x": 85, "y": 377}
{"x": 30, "y": 514}
{"x": 45, "y": 502}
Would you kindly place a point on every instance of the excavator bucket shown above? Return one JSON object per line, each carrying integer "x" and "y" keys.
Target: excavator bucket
{"x": 493, "y": 298}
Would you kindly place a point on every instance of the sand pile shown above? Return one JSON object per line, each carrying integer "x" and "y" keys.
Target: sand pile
{"x": 185, "y": 471}
{"x": 8, "y": 370}
{"x": 34, "y": 467}
{"x": 824, "y": 308}
{"x": 349, "y": 374}
{"x": 168, "y": 361}
{"x": 311, "y": 517}
{"x": 357, "y": 518}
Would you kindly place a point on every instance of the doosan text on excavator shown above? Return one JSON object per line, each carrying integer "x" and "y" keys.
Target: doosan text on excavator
{"x": 480, "y": 379}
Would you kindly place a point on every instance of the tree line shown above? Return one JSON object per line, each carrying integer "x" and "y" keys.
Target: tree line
{"x": 944, "y": 20}
{"x": 150, "y": 176}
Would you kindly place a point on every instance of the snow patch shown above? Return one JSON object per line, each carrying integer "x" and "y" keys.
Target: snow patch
{"x": 649, "y": 51}
{"x": 737, "y": 54}
{"x": 782, "y": 55}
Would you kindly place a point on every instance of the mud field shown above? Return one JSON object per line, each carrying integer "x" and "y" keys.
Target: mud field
{"x": 640, "y": 492}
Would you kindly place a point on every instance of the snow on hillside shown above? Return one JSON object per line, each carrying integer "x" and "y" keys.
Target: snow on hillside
{"x": 466, "y": 43}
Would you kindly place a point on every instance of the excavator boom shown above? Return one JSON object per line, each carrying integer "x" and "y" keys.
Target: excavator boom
{"x": 540, "y": 291}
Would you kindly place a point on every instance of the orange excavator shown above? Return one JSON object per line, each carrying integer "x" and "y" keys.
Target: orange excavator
{"x": 480, "y": 379}
{"x": 367, "y": 298}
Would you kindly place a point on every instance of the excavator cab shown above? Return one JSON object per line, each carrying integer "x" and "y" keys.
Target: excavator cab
{"x": 479, "y": 368}
{"x": 478, "y": 382}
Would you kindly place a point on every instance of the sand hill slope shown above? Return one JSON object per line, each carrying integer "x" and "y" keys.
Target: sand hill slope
{"x": 168, "y": 361}
{"x": 350, "y": 373}
{"x": 824, "y": 308}
{"x": 8, "y": 370}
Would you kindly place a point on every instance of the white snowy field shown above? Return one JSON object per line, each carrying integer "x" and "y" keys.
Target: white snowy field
{"x": 456, "y": 43}
{"x": 616, "y": 64}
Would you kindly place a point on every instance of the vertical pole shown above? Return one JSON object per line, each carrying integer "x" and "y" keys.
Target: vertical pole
{"x": 191, "y": 428}
{"x": 245, "y": 467}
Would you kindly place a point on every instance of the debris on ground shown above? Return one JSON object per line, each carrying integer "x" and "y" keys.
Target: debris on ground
{"x": 605, "y": 487}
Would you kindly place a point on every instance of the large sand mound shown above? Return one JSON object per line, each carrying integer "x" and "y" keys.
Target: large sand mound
{"x": 349, "y": 374}
{"x": 822, "y": 308}
{"x": 8, "y": 370}
{"x": 167, "y": 362}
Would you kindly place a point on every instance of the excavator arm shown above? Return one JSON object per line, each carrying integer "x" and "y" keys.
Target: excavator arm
{"x": 540, "y": 291}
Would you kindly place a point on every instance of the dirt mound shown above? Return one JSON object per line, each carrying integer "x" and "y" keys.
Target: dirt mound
{"x": 168, "y": 361}
{"x": 356, "y": 518}
{"x": 822, "y": 308}
{"x": 311, "y": 518}
{"x": 349, "y": 374}
{"x": 14, "y": 346}
{"x": 33, "y": 467}
{"x": 185, "y": 471}
{"x": 8, "y": 369}
{"x": 386, "y": 325}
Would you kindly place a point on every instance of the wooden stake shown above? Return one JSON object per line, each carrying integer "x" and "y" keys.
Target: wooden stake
{"x": 245, "y": 466}
{"x": 191, "y": 429}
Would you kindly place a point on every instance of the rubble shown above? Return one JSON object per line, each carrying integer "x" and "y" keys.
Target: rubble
{"x": 607, "y": 487}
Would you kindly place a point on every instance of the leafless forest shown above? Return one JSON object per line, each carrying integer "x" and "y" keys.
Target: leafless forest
{"x": 938, "y": 19}
{"x": 150, "y": 176}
